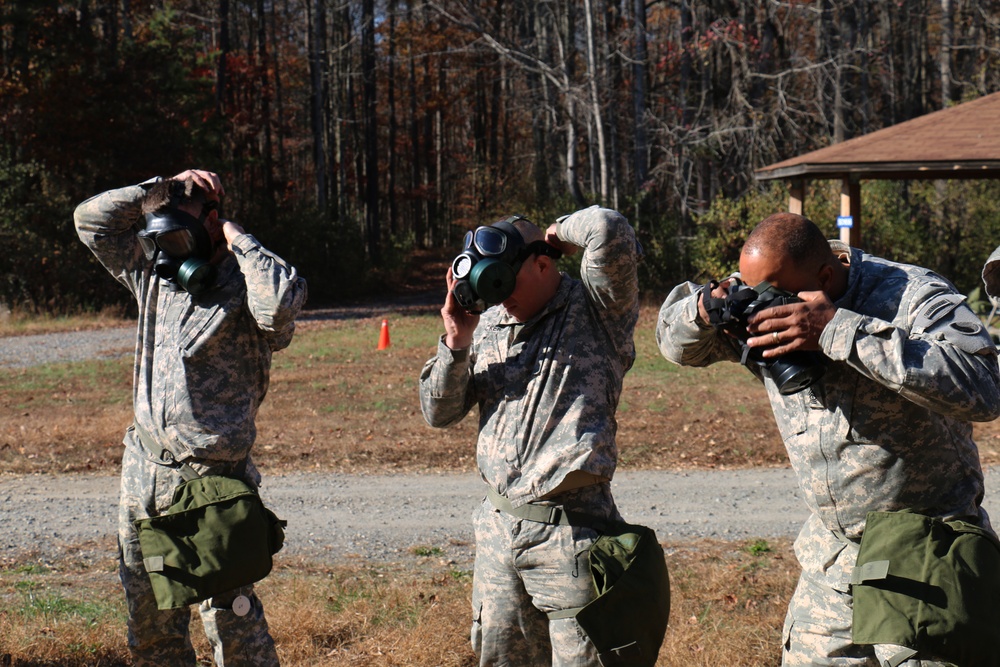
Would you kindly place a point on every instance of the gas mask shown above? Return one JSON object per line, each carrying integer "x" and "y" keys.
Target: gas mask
{"x": 486, "y": 270}
{"x": 180, "y": 248}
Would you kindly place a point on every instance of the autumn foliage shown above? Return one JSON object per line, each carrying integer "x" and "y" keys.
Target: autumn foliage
{"x": 349, "y": 134}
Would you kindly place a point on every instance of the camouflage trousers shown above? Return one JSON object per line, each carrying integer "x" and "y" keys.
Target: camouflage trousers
{"x": 817, "y": 628}
{"x": 155, "y": 637}
{"x": 524, "y": 569}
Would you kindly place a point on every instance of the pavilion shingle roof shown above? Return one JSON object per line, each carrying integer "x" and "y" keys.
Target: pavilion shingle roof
{"x": 959, "y": 142}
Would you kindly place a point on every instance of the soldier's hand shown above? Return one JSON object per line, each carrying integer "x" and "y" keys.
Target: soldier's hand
{"x": 231, "y": 230}
{"x": 720, "y": 292}
{"x": 459, "y": 324}
{"x": 208, "y": 181}
{"x": 793, "y": 326}
{"x": 552, "y": 238}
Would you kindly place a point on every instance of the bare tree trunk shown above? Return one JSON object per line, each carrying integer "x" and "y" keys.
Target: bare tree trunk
{"x": 478, "y": 122}
{"x": 316, "y": 31}
{"x": 947, "y": 28}
{"x": 828, "y": 99}
{"x": 542, "y": 111}
{"x": 222, "y": 92}
{"x": 891, "y": 74}
{"x": 687, "y": 62}
{"x": 427, "y": 175}
{"x": 267, "y": 150}
{"x": 846, "y": 69}
{"x": 684, "y": 166}
{"x": 393, "y": 125}
{"x": 369, "y": 120}
{"x": 595, "y": 100}
{"x": 564, "y": 40}
{"x": 416, "y": 154}
{"x": 337, "y": 88}
{"x": 866, "y": 110}
{"x": 439, "y": 149}
{"x": 639, "y": 95}
{"x": 278, "y": 96}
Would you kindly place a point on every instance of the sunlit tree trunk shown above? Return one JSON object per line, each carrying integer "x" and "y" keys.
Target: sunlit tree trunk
{"x": 595, "y": 99}
{"x": 564, "y": 41}
{"x": 944, "y": 57}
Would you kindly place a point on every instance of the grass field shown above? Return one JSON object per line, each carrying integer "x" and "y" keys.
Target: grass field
{"x": 336, "y": 404}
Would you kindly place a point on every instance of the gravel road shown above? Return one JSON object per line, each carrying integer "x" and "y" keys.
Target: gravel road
{"x": 382, "y": 518}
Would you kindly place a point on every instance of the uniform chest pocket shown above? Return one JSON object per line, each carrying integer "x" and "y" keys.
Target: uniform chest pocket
{"x": 211, "y": 321}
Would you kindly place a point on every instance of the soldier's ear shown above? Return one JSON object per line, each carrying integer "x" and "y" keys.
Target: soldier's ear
{"x": 825, "y": 276}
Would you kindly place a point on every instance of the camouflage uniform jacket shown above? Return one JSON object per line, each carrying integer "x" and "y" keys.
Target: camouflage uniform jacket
{"x": 547, "y": 389}
{"x": 887, "y": 427}
{"x": 202, "y": 363}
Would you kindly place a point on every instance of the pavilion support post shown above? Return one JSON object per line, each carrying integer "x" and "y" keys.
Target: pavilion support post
{"x": 850, "y": 207}
{"x": 796, "y": 196}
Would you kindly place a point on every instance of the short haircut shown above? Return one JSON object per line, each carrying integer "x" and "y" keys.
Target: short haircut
{"x": 529, "y": 231}
{"x": 791, "y": 235}
{"x": 171, "y": 193}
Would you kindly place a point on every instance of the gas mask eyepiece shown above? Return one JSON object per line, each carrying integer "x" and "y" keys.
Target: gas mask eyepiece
{"x": 180, "y": 248}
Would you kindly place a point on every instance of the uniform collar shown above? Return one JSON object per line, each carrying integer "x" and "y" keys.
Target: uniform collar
{"x": 557, "y": 302}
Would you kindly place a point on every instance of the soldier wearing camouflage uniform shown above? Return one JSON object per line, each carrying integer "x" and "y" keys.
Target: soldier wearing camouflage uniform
{"x": 201, "y": 372}
{"x": 545, "y": 369}
{"x": 907, "y": 367}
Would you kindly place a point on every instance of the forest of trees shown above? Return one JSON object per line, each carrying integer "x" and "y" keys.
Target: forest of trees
{"x": 350, "y": 133}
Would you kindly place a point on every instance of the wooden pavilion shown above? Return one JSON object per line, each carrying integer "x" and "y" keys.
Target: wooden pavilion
{"x": 959, "y": 142}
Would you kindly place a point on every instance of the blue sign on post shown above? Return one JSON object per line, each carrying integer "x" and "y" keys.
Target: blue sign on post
{"x": 845, "y": 221}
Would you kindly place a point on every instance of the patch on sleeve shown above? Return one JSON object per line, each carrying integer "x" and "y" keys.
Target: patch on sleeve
{"x": 947, "y": 317}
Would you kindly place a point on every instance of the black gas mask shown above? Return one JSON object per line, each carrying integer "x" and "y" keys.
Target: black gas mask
{"x": 792, "y": 372}
{"x": 486, "y": 270}
{"x": 180, "y": 248}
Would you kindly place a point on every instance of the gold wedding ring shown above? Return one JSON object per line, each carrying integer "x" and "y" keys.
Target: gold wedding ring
{"x": 775, "y": 335}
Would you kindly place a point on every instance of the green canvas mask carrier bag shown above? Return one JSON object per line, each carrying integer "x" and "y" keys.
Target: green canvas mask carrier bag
{"x": 929, "y": 585}
{"x": 216, "y": 536}
{"x": 628, "y": 619}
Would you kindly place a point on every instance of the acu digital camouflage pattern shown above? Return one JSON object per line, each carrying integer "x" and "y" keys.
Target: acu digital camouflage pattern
{"x": 201, "y": 371}
{"x": 547, "y": 389}
{"x": 886, "y": 428}
{"x": 202, "y": 363}
{"x": 547, "y": 392}
{"x": 524, "y": 570}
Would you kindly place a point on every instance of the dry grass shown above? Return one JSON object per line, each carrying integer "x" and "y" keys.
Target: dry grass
{"x": 728, "y": 602}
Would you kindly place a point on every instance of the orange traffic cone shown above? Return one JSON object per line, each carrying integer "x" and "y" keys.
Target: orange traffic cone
{"x": 383, "y": 337}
